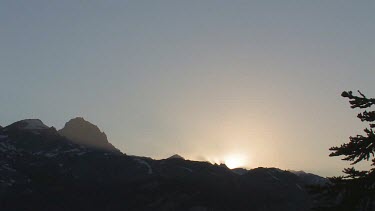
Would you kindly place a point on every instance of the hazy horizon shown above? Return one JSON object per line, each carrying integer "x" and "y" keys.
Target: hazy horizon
{"x": 255, "y": 81}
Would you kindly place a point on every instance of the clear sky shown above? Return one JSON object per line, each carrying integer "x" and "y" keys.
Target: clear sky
{"x": 259, "y": 81}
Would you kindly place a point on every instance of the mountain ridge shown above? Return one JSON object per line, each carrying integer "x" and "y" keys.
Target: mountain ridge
{"x": 47, "y": 171}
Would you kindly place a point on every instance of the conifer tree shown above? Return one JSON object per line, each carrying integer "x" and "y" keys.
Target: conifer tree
{"x": 356, "y": 189}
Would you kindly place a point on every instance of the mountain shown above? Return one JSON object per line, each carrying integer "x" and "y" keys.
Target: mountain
{"x": 28, "y": 124}
{"x": 311, "y": 179}
{"x": 40, "y": 169}
{"x": 240, "y": 171}
{"x": 176, "y": 156}
{"x": 82, "y": 132}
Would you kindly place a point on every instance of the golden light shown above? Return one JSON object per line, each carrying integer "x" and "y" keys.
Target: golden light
{"x": 235, "y": 161}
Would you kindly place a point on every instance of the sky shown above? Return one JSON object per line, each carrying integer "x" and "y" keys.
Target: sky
{"x": 255, "y": 83}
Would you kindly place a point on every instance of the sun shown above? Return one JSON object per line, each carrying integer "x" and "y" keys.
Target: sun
{"x": 235, "y": 161}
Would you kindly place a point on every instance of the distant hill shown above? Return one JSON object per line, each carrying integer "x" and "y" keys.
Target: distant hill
{"x": 311, "y": 179}
{"x": 176, "y": 156}
{"x": 41, "y": 169}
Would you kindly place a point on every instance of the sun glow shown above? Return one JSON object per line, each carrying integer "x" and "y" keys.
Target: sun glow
{"x": 235, "y": 161}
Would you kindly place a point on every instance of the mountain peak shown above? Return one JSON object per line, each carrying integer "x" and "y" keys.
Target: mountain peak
{"x": 29, "y": 124}
{"x": 83, "y": 132}
{"x": 176, "y": 156}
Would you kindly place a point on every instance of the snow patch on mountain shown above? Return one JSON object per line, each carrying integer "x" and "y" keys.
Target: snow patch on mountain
{"x": 269, "y": 173}
{"x": 34, "y": 124}
{"x": 311, "y": 179}
{"x": 6, "y": 146}
{"x": 187, "y": 169}
{"x": 299, "y": 187}
{"x": 81, "y": 153}
{"x": 50, "y": 154}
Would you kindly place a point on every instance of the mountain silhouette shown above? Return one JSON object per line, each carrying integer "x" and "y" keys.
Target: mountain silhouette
{"x": 176, "y": 156}
{"x": 80, "y": 131}
{"x": 40, "y": 169}
{"x": 29, "y": 124}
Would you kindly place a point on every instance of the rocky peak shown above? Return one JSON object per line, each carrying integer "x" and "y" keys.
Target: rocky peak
{"x": 176, "y": 156}
{"x": 28, "y": 124}
{"x": 222, "y": 165}
{"x": 82, "y": 132}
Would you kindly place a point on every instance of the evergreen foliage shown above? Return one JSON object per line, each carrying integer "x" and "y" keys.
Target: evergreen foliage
{"x": 355, "y": 190}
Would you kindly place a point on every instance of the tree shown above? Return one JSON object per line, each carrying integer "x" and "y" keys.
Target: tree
{"x": 355, "y": 190}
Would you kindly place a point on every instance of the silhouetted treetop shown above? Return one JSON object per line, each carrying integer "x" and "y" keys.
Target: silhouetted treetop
{"x": 355, "y": 190}
{"x": 360, "y": 147}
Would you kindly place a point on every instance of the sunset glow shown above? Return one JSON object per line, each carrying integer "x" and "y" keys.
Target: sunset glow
{"x": 235, "y": 161}
{"x": 206, "y": 79}
{"x": 187, "y": 105}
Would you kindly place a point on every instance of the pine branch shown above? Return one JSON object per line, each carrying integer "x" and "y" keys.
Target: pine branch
{"x": 359, "y": 148}
{"x": 356, "y": 190}
{"x": 358, "y": 101}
